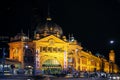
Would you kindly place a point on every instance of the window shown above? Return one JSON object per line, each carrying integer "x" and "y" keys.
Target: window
{"x": 84, "y": 61}
{"x": 45, "y": 49}
{"x": 40, "y": 48}
{"x": 55, "y": 49}
{"x": 50, "y": 49}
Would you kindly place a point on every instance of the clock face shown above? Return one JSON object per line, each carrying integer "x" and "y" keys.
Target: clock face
{"x": 112, "y": 58}
{"x": 15, "y": 53}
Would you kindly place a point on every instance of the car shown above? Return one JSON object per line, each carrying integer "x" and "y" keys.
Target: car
{"x": 114, "y": 76}
{"x": 69, "y": 76}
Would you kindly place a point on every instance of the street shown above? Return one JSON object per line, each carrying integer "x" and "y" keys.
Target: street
{"x": 45, "y": 78}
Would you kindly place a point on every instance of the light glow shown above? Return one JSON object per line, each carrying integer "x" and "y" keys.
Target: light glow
{"x": 111, "y": 42}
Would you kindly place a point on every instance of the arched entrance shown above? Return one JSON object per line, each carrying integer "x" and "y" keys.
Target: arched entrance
{"x": 51, "y": 66}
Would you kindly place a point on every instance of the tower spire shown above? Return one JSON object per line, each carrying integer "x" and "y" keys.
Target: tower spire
{"x": 48, "y": 15}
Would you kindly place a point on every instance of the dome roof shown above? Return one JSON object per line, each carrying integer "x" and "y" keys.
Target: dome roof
{"x": 49, "y": 27}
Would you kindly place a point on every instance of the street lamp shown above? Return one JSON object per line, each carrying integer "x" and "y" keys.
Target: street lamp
{"x": 26, "y": 46}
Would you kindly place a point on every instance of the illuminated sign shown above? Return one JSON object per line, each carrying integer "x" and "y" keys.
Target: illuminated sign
{"x": 65, "y": 59}
{"x": 37, "y": 58}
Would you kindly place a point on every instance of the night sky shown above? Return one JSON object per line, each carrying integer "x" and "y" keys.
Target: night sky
{"x": 92, "y": 22}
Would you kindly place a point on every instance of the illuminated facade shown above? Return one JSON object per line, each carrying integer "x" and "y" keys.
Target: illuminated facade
{"x": 50, "y": 49}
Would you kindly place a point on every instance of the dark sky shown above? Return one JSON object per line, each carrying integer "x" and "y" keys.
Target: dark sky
{"x": 92, "y": 22}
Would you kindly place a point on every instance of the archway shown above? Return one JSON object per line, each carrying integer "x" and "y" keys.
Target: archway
{"x": 51, "y": 66}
